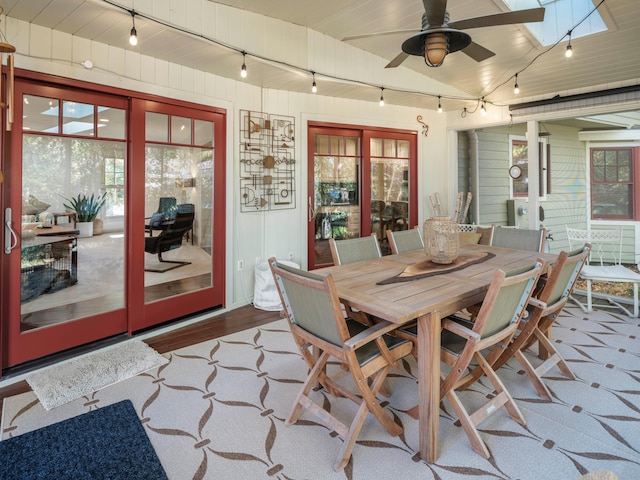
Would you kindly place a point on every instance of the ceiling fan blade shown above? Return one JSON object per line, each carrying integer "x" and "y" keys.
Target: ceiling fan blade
{"x": 435, "y": 10}
{"x": 477, "y": 52}
{"x": 401, "y": 57}
{"x": 390, "y": 32}
{"x": 507, "y": 18}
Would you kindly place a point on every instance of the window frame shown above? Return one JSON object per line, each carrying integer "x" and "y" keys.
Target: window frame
{"x": 634, "y": 200}
{"x": 544, "y": 165}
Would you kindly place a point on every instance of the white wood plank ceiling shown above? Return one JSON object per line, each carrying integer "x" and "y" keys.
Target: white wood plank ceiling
{"x": 605, "y": 60}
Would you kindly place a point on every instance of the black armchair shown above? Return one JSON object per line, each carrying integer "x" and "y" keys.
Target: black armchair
{"x": 167, "y": 208}
{"x": 169, "y": 239}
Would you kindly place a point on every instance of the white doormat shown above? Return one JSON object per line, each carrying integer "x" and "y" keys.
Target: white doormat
{"x": 68, "y": 381}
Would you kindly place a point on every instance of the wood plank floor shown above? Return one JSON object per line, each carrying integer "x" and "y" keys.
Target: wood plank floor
{"x": 218, "y": 326}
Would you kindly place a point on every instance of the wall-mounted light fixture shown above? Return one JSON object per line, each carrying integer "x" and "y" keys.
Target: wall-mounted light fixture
{"x": 189, "y": 182}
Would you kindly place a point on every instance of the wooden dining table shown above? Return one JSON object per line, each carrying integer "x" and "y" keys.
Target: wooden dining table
{"x": 427, "y": 300}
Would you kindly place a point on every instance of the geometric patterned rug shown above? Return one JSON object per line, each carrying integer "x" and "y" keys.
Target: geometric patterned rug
{"x": 217, "y": 410}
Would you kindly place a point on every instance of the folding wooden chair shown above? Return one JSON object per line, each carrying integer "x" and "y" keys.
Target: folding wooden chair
{"x": 519, "y": 238}
{"x": 405, "y": 240}
{"x": 463, "y": 341}
{"x": 354, "y": 249}
{"x": 542, "y": 311}
{"x": 312, "y": 308}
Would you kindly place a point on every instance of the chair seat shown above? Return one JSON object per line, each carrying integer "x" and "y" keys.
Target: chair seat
{"x": 370, "y": 351}
{"x": 609, "y": 273}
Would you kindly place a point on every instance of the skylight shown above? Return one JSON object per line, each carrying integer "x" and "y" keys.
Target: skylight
{"x": 560, "y": 17}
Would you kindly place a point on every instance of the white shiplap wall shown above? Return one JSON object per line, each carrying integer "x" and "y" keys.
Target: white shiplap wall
{"x": 249, "y": 235}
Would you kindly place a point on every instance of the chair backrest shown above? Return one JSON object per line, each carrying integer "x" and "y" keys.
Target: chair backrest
{"x": 171, "y": 237}
{"x": 310, "y": 302}
{"x": 467, "y": 233}
{"x": 167, "y": 206}
{"x": 377, "y": 207}
{"x": 506, "y": 299}
{"x": 354, "y": 249}
{"x": 564, "y": 275}
{"x": 606, "y": 244}
{"x": 186, "y": 208}
{"x": 519, "y": 238}
{"x": 405, "y": 240}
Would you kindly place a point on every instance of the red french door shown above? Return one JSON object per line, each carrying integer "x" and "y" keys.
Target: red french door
{"x": 64, "y": 286}
{"x": 364, "y": 182}
{"x": 182, "y": 159}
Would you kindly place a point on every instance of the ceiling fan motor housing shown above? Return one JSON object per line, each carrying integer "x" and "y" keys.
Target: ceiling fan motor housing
{"x": 430, "y": 40}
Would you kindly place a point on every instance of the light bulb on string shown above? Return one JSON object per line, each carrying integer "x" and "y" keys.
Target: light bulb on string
{"x": 381, "y": 96}
{"x": 569, "y": 52}
{"x": 483, "y": 108}
{"x": 243, "y": 70}
{"x": 516, "y": 88}
{"x": 439, "y": 105}
{"x": 314, "y": 87}
{"x": 133, "y": 35}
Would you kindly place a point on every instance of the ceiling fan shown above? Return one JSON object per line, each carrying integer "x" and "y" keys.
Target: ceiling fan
{"x": 439, "y": 37}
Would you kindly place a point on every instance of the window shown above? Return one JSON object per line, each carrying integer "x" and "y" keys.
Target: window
{"x": 114, "y": 184}
{"x": 519, "y": 155}
{"x": 614, "y": 172}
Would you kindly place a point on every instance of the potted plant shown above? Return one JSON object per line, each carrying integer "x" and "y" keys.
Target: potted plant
{"x": 86, "y": 210}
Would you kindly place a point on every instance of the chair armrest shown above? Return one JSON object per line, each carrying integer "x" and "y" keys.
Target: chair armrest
{"x": 369, "y": 335}
{"x": 537, "y": 303}
{"x": 460, "y": 330}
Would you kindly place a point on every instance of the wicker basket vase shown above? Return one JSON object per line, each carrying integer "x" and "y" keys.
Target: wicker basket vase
{"x": 441, "y": 239}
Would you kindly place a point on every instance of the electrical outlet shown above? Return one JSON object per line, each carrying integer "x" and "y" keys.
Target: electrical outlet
{"x": 290, "y": 255}
{"x": 240, "y": 265}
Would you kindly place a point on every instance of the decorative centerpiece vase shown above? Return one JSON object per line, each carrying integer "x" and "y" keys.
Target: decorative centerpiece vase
{"x": 441, "y": 239}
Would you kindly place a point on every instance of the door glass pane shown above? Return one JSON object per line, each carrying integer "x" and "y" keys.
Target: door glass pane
{"x": 111, "y": 123}
{"x": 336, "y": 188}
{"x": 40, "y": 114}
{"x": 179, "y": 213}
{"x": 180, "y": 130}
{"x": 64, "y": 275}
{"x": 77, "y": 118}
{"x": 389, "y": 187}
{"x": 156, "y": 127}
{"x": 203, "y": 133}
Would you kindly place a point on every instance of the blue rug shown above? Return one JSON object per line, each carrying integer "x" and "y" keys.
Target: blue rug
{"x": 108, "y": 443}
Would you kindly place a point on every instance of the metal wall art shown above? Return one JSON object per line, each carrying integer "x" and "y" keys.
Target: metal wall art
{"x": 267, "y": 166}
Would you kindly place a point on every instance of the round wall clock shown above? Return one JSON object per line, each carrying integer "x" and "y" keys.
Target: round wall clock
{"x": 515, "y": 172}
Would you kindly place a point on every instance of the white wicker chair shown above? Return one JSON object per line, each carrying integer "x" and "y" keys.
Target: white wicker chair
{"x": 606, "y": 246}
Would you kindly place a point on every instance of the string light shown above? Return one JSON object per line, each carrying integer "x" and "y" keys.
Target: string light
{"x": 483, "y": 108}
{"x": 439, "y": 105}
{"x": 314, "y": 87}
{"x": 243, "y": 71}
{"x": 133, "y": 36}
{"x": 569, "y": 52}
{"x": 381, "y": 96}
{"x": 516, "y": 88}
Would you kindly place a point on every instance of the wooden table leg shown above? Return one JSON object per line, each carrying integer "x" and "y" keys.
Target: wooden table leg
{"x": 429, "y": 385}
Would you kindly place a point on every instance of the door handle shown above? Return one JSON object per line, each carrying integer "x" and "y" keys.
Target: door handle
{"x": 10, "y": 237}
{"x": 312, "y": 211}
